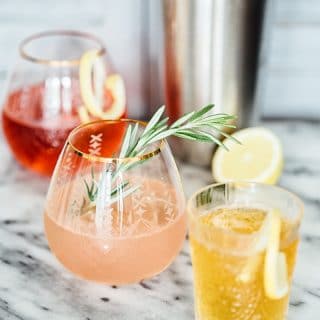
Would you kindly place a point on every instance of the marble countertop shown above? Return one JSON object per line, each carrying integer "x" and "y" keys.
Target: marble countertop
{"x": 33, "y": 285}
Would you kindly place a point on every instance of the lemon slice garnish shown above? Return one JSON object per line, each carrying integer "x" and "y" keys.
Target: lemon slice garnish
{"x": 93, "y": 99}
{"x": 258, "y": 158}
{"x": 276, "y": 284}
{"x": 85, "y": 71}
{"x": 115, "y": 84}
{"x": 83, "y": 114}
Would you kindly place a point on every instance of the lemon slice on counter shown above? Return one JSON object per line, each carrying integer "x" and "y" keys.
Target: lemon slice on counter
{"x": 276, "y": 284}
{"x": 258, "y": 158}
{"x": 93, "y": 99}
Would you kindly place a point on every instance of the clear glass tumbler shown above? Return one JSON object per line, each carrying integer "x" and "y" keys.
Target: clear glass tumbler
{"x": 229, "y": 236}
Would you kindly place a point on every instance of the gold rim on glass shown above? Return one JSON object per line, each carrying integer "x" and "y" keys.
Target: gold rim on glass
{"x": 57, "y": 62}
{"x": 90, "y": 157}
{"x": 296, "y": 199}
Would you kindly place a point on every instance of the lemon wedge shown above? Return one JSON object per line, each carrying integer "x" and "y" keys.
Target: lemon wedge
{"x": 90, "y": 63}
{"x": 258, "y": 158}
{"x": 275, "y": 265}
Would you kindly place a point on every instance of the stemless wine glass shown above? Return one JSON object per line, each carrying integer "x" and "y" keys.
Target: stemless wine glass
{"x": 111, "y": 219}
{"x": 44, "y": 95}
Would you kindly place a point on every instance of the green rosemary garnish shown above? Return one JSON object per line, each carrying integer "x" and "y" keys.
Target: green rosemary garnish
{"x": 92, "y": 190}
{"x": 196, "y": 125}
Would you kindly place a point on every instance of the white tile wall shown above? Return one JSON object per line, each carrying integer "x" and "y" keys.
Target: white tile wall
{"x": 289, "y": 79}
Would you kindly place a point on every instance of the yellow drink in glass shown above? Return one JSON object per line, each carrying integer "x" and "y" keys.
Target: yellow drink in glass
{"x": 228, "y": 238}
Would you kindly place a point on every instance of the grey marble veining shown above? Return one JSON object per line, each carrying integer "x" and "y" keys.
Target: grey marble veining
{"x": 34, "y": 286}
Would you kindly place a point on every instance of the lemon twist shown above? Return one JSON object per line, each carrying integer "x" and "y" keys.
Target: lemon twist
{"x": 92, "y": 100}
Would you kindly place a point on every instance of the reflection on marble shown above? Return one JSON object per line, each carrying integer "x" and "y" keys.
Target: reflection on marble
{"x": 33, "y": 285}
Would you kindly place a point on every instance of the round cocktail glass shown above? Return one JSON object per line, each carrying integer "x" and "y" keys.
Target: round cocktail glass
{"x": 44, "y": 96}
{"x": 110, "y": 219}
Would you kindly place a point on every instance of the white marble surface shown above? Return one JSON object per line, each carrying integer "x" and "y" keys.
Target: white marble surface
{"x": 33, "y": 285}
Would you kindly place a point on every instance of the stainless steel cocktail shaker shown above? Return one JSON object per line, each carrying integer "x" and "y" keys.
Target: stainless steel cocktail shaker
{"x": 211, "y": 50}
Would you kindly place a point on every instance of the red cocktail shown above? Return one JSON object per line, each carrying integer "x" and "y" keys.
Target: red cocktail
{"x": 47, "y": 91}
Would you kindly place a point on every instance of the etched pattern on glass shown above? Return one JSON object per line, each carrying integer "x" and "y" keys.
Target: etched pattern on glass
{"x": 151, "y": 207}
{"x": 66, "y": 170}
{"x": 95, "y": 144}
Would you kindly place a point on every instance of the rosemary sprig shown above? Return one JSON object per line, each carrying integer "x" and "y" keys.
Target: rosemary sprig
{"x": 196, "y": 125}
{"x": 92, "y": 190}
